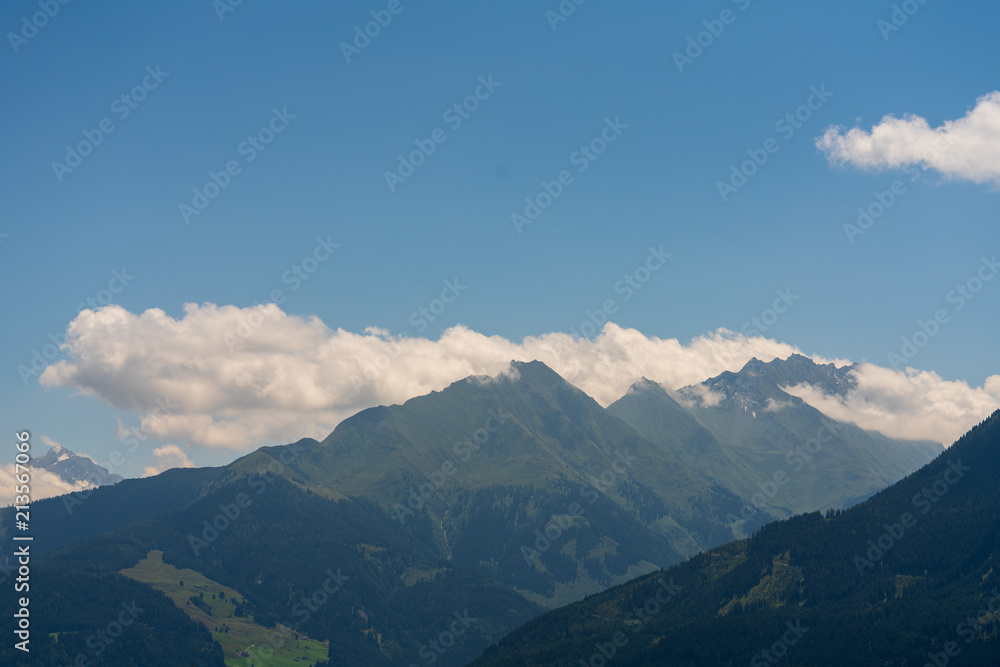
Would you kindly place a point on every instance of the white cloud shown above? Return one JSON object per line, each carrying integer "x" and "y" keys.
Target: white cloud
{"x": 167, "y": 457}
{"x": 293, "y": 376}
{"x": 44, "y": 484}
{"x": 967, "y": 148}
{"x": 774, "y": 406}
{"x": 914, "y": 404}
{"x": 699, "y": 395}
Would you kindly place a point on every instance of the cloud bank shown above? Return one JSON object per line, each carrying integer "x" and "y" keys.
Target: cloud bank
{"x": 238, "y": 378}
{"x": 287, "y": 377}
{"x": 913, "y": 404}
{"x": 963, "y": 149}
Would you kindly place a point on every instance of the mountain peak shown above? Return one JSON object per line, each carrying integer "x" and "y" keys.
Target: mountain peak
{"x": 645, "y": 384}
{"x": 753, "y": 367}
{"x": 73, "y": 468}
{"x": 533, "y": 366}
{"x": 534, "y": 373}
{"x": 55, "y": 454}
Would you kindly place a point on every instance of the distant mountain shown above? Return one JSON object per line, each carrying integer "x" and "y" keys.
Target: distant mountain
{"x": 779, "y": 454}
{"x": 798, "y": 369}
{"x": 491, "y": 464}
{"x": 503, "y": 495}
{"x": 73, "y": 468}
{"x": 909, "y": 577}
{"x": 653, "y": 412}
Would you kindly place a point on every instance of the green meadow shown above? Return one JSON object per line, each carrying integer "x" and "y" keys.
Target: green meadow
{"x": 215, "y": 608}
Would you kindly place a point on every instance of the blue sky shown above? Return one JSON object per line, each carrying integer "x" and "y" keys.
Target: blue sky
{"x": 344, "y": 124}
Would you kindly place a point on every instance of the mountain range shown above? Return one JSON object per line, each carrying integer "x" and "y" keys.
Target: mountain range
{"x": 909, "y": 577}
{"x": 770, "y": 448}
{"x": 475, "y": 508}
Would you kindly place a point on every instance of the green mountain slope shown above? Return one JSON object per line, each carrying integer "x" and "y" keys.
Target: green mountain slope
{"x": 532, "y": 443}
{"x": 501, "y": 496}
{"x": 909, "y": 577}
{"x": 341, "y": 572}
{"x": 522, "y": 479}
{"x": 782, "y": 456}
{"x": 221, "y": 610}
{"x": 651, "y": 411}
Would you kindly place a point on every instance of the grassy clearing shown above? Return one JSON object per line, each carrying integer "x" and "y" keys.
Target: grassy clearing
{"x": 215, "y": 609}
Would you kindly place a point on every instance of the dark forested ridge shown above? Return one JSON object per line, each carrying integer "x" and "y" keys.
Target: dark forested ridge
{"x": 909, "y": 577}
{"x": 336, "y": 570}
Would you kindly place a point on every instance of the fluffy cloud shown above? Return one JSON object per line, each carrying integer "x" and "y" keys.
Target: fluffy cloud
{"x": 167, "y": 457}
{"x": 698, "y": 395}
{"x": 967, "y": 148}
{"x": 913, "y": 404}
{"x": 50, "y": 442}
{"x": 44, "y": 484}
{"x": 776, "y": 406}
{"x": 234, "y": 378}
